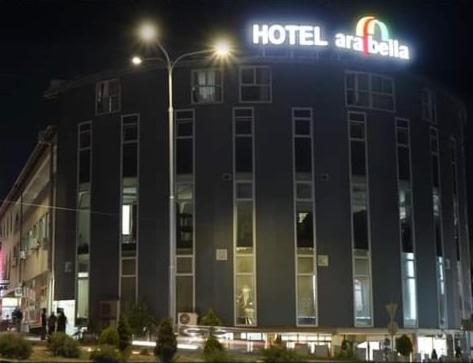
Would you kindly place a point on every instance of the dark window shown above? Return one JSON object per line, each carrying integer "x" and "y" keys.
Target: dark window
{"x": 360, "y": 229}
{"x": 357, "y": 130}
{"x": 406, "y": 235}
{"x": 438, "y": 236}
{"x": 184, "y": 156}
{"x": 402, "y": 136}
{"x": 403, "y": 160}
{"x": 130, "y": 160}
{"x": 243, "y": 127}
{"x": 84, "y": 140}
{"x": 302, "y": 127}
{"x": 358, "y": 159}
{"x": 305, "y": 229}
{"x": 435, "y": 171}
{"x": 303, "y": 157}
{"x": 184, "y": 128}
{"x": 84, "y": 166}
{"x": 243, "y": 155}
{"x": 184, "y": 228}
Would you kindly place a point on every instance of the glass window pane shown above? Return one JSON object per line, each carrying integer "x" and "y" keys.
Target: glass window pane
{"x": 304, "y": 225}
{"x": 362, "y": 266}
{"x": 128, "y": 289}
{"x": 245, "y": 304}
{"x": 362, "y": 301}
{"x": 243, "y": 127}
{"x": 130, "y": 160}
{"x": 244, "y": 224}
{"x": 184, "y": 128}
{"x": 243, "y": 154}
{"x": 128, "y": 267}
{"x": 362, "y": 81}
{"x": 404, "y": 164}
{"x": 358, "y": 158}
{"x": 357, "y": 130}
{"x": 84, "y": 166}
{"x": 184, "y": 156}
{"x": 244, "y": 264}
{"x": 262, "y": 75}
{"x": 306, "y": 300}
{"x": 247, "y": 75}
{"x": 244, "y": 190}
{"x": 305, "y": 265}
{"x": 303, "y": 191}
{"x": 126, "y": 219}
{"x": 303, "y": 154}
{"x": 184, "y": 294}
{"x": 82, "y": 297}
{"x": 184, "y": 264}
{"x": 302, "y": 127}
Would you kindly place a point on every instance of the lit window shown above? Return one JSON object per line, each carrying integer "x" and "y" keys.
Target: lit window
{"x": 107, "y": 96}
{"x": 255, "y": 84}
{"x": 206, "y": 86}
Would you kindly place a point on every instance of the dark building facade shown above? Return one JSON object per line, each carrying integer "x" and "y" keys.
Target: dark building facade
{"x": 310, "y": 194}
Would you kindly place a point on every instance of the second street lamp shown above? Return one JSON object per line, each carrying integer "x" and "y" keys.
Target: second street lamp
{"x": 221, "y": 49}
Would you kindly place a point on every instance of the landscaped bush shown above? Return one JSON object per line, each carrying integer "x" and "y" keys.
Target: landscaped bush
{"x": 109, "y": 336}
{"x": 13, "y": 345}
{"x": 61, "y": 344}
{"x": 105, "y": 354}
{"x": 140, "y": 318}
{"x": 278, "y": 353}
{"x": 404, "y": 345}
{"x": 166, "y": 345}
{"x": 214, "y": 351}
{"x": 124, "y": 334}
{"x": 210, "y": 319}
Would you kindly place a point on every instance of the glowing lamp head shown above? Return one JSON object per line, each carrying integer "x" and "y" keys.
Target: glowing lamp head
{"x": 136, "y": 61}
{"x": 147, "y": 32}
{"x": 222, "y": 48}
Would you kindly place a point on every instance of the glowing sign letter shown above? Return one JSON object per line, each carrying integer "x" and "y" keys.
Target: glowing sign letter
{"x": 260, "y": 34}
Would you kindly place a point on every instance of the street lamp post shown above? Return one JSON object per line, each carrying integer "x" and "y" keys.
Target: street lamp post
{"x": 221, "y": 49}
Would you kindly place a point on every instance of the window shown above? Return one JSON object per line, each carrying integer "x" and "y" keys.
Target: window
{"x": 255, "y": 84}
{"x": 406, "y": 224}
{"x": 305, "y": 269}
{"x": 185, "y": 251}
{"x": 244, "y": 229}
{"x": 207, "y": 86}
{"x": 369, "y": 91}
{"x": 107, "y": 96}
{"x": 83, "y": 216}
{"x": 360, "y": 219}
{"x": 129, "y": 205}
{"x": 428, "y": 105}
{"x": 437, "y": 218}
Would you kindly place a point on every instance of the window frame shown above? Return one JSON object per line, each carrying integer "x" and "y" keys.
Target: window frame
{"x": 369, "y": 90}
{"x": 108, "y": 81}
{"x": 241, "y": 84}
{"x": 221, "y": 85}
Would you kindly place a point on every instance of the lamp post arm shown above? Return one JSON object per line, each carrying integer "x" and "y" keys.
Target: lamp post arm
{"x": 190, "y": 54}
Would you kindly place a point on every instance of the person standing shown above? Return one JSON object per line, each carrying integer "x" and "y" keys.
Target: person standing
{"x": 61, "y": 322}
{"x": 17, "y": 316}
{"x": 44, "y": 321}
{"x": 52, "y": 323}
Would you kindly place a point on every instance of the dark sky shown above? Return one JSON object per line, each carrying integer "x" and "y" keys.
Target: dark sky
{"x": 42, "y": 40}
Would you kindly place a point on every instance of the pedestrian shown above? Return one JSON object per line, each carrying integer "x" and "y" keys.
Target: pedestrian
{"x": 434, "y": 355}
{"x": 52, "y": 323}
{"x": 458, "y": 352}
{"x": 44, "y": 321}
{"x": 17, "y": 317}
{"x": 61, "y": 322}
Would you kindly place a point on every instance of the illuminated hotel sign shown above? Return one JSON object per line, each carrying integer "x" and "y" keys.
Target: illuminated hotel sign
{"x": 371, "y": 37}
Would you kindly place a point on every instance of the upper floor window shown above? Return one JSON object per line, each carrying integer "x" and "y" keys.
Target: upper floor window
{"x": 369, "y": 91}
{"x": 206, "y": 86}
{"x": 107, "y": 96}
{"x": 255, "y": 84}
{"x": 428, "y": 105}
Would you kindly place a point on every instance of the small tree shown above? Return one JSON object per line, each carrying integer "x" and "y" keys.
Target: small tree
{"x": 404, "y": 345}
{"x": 166, "y": 345}
{"x": 124, "y": 333}
{"x": 109, "y": 336}
{"x": 140, "y": 318}
{"x": 214, "y": 351}
{"x": 210, "y": 319}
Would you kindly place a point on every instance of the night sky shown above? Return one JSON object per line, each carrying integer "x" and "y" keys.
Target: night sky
{"x": 42, "y": 40}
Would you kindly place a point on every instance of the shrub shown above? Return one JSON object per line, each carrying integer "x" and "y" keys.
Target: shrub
{"x": 214, "y": 351}
{"x": 13, "y": 345}
{"x": 61, "y": 344}
{"x": 124, "y": 333}
{"x": 404, "y": 345}
{"x": 140, "y": 318}
{"x": 109, "y": 336}
{"x": 105, "y": 353}
{"x": 210, "y": 319}
{"x": 280, "y": 354}
{"x": 166, "y": 344}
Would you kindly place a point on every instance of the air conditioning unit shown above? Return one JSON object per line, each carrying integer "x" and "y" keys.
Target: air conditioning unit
{"x": 187, "y": 319}
{"x": 22, "y": 255}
